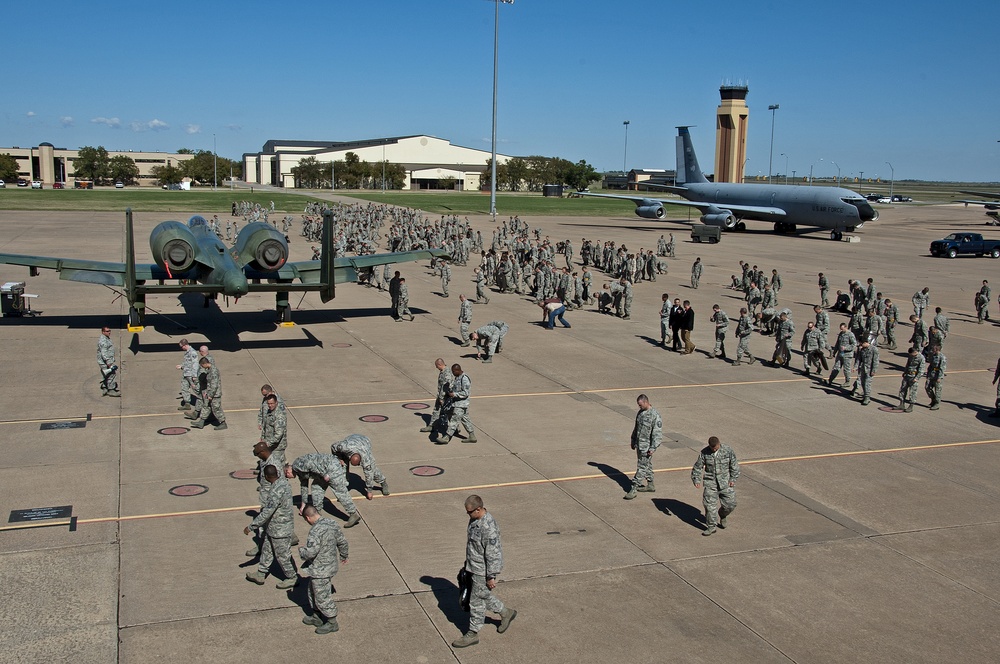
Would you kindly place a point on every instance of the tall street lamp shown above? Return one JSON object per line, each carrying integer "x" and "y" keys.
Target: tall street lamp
{"x": 786, "y": 166}
{"x": 838, "y": 171}
{"x": 625, "y": 158}
{"x": 772, "y": 108}
{"x": 892, "y": 179}
{"x": 493, "y": 169}
{"x": 215, "y": 163}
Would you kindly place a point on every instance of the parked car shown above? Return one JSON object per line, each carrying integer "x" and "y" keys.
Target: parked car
{"x": 965, "y": 243}
{"x": 36, "y": 184}
{"x": 21, "y": 182}
{"x": 58, "y": 185}
{"x": 3, "y": 185}
{"x": 119, "y": 185}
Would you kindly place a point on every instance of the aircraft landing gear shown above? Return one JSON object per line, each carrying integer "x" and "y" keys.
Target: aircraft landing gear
{"x": 283, "y": 311}
{"x": 836, "y": 236}
{"x": 135, "y": 317}
{"x": 741, "y": 226}
{"x": 782, "y": 227}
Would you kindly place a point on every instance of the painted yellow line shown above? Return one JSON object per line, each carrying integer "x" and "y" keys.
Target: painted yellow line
{"x": 504, "y": 485}
{"x": 515, "y": 395}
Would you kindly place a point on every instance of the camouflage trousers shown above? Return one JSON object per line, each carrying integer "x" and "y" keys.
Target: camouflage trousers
{"x": 845, "y": 362}
{"x": 664, "y": 329}
{"x": 189, "y": 389}
{"x": 317, "y": 492}
{"x": 481, "y": 599}
{"x": 865, "y": 380}
{"x": 109, "y": 381}
{"x": 824, "y": 296}
{"x": 814, "y": 359}
{"x": 890, "y": 335}
{"x": 781, "y": 353}
{"x": 211, "y": 407}
{"x": 463, "y": 329}
{"x": 711, "y": 496}
{"x": 481, "y": 294}
{"x": 444, "y": 286}
{"x": 720, "y": 341}
{"x": 933, "y": 388}
{"x": 694, "y": 281}
{"x": 321, "y": 597}
{"x": 460, "y": 415}
{"x": 403, "y": 309}
{"x": 280, "y": 548}
{"x": 743, "y": 348}
{"x": 908, "y": 391}
{"x": 643, "y": 469}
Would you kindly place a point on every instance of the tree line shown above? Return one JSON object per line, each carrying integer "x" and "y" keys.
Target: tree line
{"x": 349, "y": 173}
{"x": 95, "y": 164}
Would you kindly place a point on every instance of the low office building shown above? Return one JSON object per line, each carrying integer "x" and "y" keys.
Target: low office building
{"x": 427, "y": 161}
{"x": 51, "y": 164}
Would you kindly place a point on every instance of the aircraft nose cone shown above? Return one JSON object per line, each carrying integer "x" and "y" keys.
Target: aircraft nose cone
{"x": 235, "y": 284}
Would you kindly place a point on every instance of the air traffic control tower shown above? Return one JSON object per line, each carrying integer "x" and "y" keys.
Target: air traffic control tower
{"x": 731, "y": 120}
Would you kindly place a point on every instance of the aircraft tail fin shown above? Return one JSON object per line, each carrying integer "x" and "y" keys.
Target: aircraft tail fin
{"x": 130, "y": 280}
{"x": 326, "y": 270}
{"x": 688, "y": 171}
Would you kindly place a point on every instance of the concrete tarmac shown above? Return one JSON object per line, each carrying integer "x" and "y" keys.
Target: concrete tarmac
{"x": 861, "y": 533}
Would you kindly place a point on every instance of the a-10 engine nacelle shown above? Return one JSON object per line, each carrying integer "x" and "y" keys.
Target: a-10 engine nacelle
{"x": 262, "y": 247}
{"x": 174, "y": 246}
{"x": 650, "y": 211}
{"x": 722, "y": 219}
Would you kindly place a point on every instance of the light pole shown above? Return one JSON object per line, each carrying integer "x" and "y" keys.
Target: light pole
{"x": 625, "y": 158}
{"x": 892, "y": 179}
{"x": 215, "y": 163}
{"x": 744, "y": 170}
{"x": 772, "y": 108}
{"x": 838, "y": 171}
{"x": 333, "y": 177}
{"x": 383, "y": 165}
{"x": 861, "y": 179}
{"x": 496, "y": 48}
{"x": 811, "y": 174}
{"x": 786, "y": 166}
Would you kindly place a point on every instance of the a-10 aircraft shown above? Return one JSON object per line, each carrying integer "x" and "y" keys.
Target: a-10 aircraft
{"x": 728, "y": 204}
{"x": 196, "y": 260}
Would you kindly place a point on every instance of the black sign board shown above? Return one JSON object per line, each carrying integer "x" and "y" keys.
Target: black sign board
{"x": 65, "y": 424}
{"x": 40, "y": 514}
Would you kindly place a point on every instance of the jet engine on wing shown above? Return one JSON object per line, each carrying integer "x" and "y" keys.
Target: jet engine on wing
{"x": 723, "y": 219}
{"x": 262, "y": 246}
{"x": 650, "y": 210}
{"x": 174, "y": 246}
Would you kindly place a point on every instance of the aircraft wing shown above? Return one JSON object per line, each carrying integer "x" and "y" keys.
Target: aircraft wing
{"x": 346, "y": 267}
{"x": 700, "y": 205}
{"x": 989, "y": 205}
{"x": 71, "y": 269}
{"x": 986, "y": 194}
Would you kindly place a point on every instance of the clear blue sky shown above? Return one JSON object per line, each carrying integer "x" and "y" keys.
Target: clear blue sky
{"x": 913, "y": 83}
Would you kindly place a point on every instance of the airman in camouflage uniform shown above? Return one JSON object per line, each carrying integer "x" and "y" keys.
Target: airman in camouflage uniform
{"x": 323, "y": 554}
{"x": 696, "y": 272}
{"x": 783, "y": 334}
{"x": 464, "y": 319}
{"x": 443, "y": 387}
{"x": 919, "y": 337}
{"x": 920, "y": 300}
{"x": 812, "y": 346}
{"x": 265, "y": 458}
{"x": 106, "y": 363}
{"x": 744, "y": 328}
{"x": 844, "y": 353}
{"x": 936, "y": 366}
{"x": 891, "y": 313}
{"x": 754, "y": 298}
{"x": 718, "y": 467}
{"x": 445, "y": 277}
{"x": 480, "y": 286}
{"x": 484, "y": 562}
{"x": 273, "y": 420}
{"x": 458, "y": 392}
{"x": 646, "y": 436}
{"x": 211, "y": 398}
{"x": 942, "y": 323}
{"x": 356, "y": 450}
{"x": 489, "y": 337}
{"x": 824, "y": 291}
{"x": 983, "y": 302}
{"x": 325, "y": 471}
{"x": 665, "y": 309}
{"x": 867, "y": 362}
{"x": 721, "y": 321}
{"x": 912, "y": 373}
{"x": 189, "y": 376}
{"x": 275, "y": 518}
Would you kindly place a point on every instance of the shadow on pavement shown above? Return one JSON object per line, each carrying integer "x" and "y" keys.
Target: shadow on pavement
{"x": 446, "y": 593}
{"x": 613, "y": 473}
{"x": 687, "y": 513}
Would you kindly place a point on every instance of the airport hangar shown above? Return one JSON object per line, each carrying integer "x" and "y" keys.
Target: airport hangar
{"x": 426, "y": 159}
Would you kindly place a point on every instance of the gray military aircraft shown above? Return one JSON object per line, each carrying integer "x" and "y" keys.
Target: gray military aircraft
{"x": 728, "y": 204}
{"x": 198, "y": 261}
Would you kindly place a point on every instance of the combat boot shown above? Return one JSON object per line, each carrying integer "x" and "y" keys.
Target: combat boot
{"x": 443, "y": 440}
{"x": 506, "y": 616}
{"x": 649, "y": 488}
{"x": 385, "y": 488}
{"x": 752, "y": 360}
{"x": 285, "y": 584}
{"x": 486, "y": 360}
{"x": 737, "y": 363}
{"x": 312, "y": 619}
{"x": 909, "y": 408}
{"x": 471, "y": 438}
{"x": 256, "y": 577}
{"x": 221, "y": 426}
{"x": 427, "y": 429}
{"x": 352, "y": 520}
{"x": 935, "y": 405}
{"x": 468, "y": 639}
{"x": 865, "y": 401}
{"x": 631, "y": 493}
{"x": 114, "y": 393}
{"x": 328, "y": 627}
{"x": 708, "y": 531}
{"x": 190, "y": 416}
{"x": 184, "y": 406}
{"x": 253, "y": 553}
{"x": 722, "y": 521}
{"x": 198, "y": 425}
